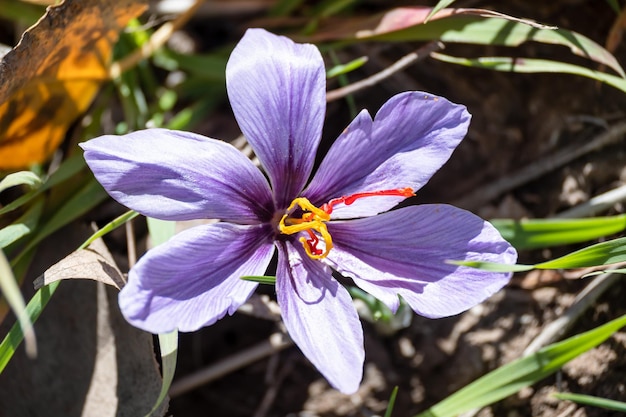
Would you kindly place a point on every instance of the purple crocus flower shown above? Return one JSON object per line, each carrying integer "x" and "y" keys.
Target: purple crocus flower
{"x": 338, "y": 220}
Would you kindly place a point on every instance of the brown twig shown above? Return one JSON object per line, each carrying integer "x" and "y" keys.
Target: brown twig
{"x": 399, "y": 65}
{"x": 157, "y": 40}
{"x": 273, "y": 390}
{"x": 130, "y": 243}
{"x": 275, "y": 343}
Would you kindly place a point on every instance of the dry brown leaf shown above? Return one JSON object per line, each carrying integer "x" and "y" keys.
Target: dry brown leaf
{"x": 54, "y": 73}
{"x": 94, "y": 263}
{"x": 124, "y": 357}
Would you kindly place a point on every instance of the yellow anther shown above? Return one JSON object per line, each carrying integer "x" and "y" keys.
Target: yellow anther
{"x": 313, "y": 218}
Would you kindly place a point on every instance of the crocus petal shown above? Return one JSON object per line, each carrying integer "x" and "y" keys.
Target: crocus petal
{"x": 174, "y": 175}
{"x": 277, "y": 91}
{"x": 405, "y": 252}
{"x": 193, "y": 280}
{"x": 320, "y": 318}
{"x": 410, "y": 138}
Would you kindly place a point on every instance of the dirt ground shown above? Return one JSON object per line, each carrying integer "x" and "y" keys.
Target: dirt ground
{"x": 517, "y": 120}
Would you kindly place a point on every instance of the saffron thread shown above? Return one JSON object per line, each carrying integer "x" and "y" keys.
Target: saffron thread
{"x": 314, "y": 219}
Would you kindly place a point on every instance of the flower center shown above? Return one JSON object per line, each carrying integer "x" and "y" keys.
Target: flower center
{"x": 312, "y": 220}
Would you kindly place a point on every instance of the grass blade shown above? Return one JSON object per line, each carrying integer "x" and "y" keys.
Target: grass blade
{"x": 592, "y": 401}
{"x": 14, "y": 298}
{"x": 22, "y": 226}
{"x": 542, "y": 233}
{"x": 531, "y": 65}
{"x": 346, "y": 68}
{"x": 392, "y": 402}
{"x": 168, "y": 343}
{"x": 160, "y": 232}
{"x": 605, "y": 253}
{"x": 67, "y": 170}
{"x": 523, "y": 372}
{"x": 27, "y": 178}
{"x": 442, "y": 4}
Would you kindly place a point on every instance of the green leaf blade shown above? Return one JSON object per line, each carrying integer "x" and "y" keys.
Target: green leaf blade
{"x": 592, "y": 401}
{"x": 543, "y": 233}
{"x": 27, "y": 178}
{"x": 605, "y": 253}
{"x": 510, "y": 378}
{"x": 531, "y": 65}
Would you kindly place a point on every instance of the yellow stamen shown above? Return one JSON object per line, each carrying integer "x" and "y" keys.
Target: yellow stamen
{"x": 314, "y": 218}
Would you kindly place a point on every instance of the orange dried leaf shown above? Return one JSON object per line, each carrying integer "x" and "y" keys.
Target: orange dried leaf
{"x": 54, "y": 73}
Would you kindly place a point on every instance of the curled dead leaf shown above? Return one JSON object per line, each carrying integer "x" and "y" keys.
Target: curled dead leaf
{"x": 54, "y": 73}
{"x": 94, "y": 263}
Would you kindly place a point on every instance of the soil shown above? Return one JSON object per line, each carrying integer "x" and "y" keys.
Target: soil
{"x": 518, "y": 119}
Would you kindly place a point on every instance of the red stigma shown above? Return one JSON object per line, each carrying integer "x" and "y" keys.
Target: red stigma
{"x": 312, "y": 243}
{"x": 347, "y": 200}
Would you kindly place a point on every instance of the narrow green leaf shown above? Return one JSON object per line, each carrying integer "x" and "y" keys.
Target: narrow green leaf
{"x": 68, "y": 169}
{"x": 168, "y": 344}
{"x": 542, "y": 233}
{"x": 86, "y": 198}
{"x": 28, "y": 178}
{"x": 592, "y": 401}
{"x": 495, "y": 267}
{"x": 327, "y": 8}
{"x": 530, "y": 65}
{"x": 15, "y": 336}
{"x": 207, "y": 67}
{"x": 346, "y": 68}
{"x": 343, "y": 81}
{"x": 614, "y": 5}
{"x": 605, "y": 253}
{"x": 261, "y": 279}
{"x": 611, "y": 271}
{"x": 160, "y": 232}
{"x": 23, "y": 225}
{"x": 523, "y": 372}
{"x": 284, "y": 7}
{"x": 14, "y": 298}
{"x": 442, "y": 4}
{"x": 112, "y": 225}
{"x": 392, "y": 401}
{"x": 189, "y": 116}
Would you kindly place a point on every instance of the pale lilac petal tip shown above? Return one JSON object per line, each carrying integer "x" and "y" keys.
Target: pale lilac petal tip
{"x": 410, "y": 138}
{"x": 277, "y": 90}
{"x": 405, "y": 252}
{"x": 193, "y": 280}
{"x": 320, "y": 318}
{"x": 173, "y": 175}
